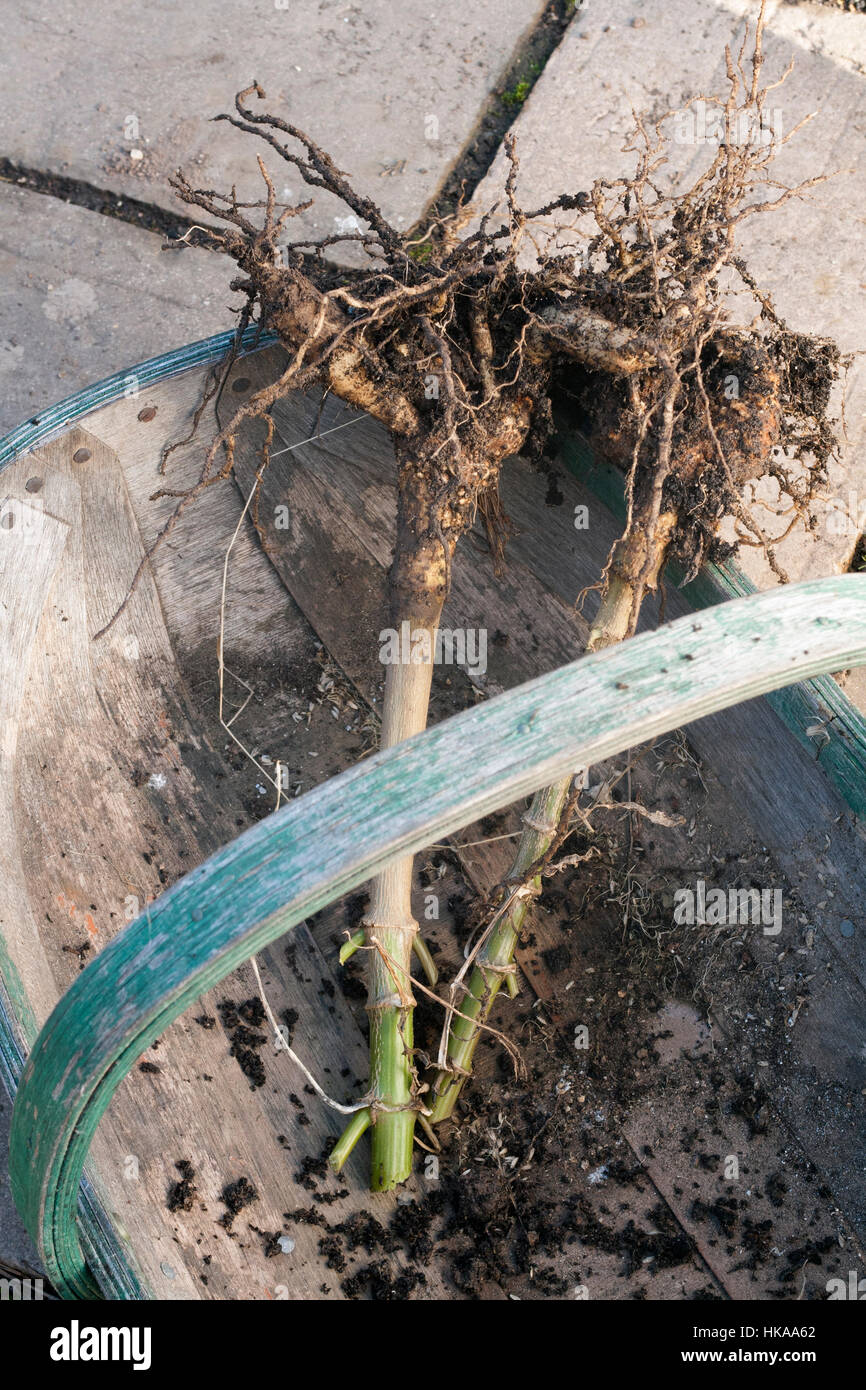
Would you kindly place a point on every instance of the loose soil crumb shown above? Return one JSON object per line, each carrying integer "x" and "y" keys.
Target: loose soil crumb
{"x": 236, "y": 1195}
{"x": 245, "y": 1040}
{"x": 182, "y": 1194}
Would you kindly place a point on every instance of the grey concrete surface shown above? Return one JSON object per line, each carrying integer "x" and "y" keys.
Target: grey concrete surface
{"x": 82, "y": 296}
{"x": 122, "y": 94}
{"x": 650, "y": 56}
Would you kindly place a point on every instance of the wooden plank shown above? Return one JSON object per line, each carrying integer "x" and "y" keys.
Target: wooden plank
{"x": 806, "y": 825}
{"x": 274, "y": 875}
{"x": 756, "y": 1207}
{"x": 31, "y": 539}
{"x": 260, "y": 617}
{"x": 136, "y": 799}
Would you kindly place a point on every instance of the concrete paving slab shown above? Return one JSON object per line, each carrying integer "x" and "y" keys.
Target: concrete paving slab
{"x": 84, "y": 296}
{"x": 120, "y": 95}
{"x": 651, "y": 55}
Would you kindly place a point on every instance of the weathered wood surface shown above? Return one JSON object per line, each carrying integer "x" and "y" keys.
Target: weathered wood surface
{"x": 780, "y": 789}
{"x": 805, "y": 820}
{"x": 774, "y": 777}
{"x": 109, "y": 791}
{"x": 273, "y": 876}
{"x": 263, "y": 622}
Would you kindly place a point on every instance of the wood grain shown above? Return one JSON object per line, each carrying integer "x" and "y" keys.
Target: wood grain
{"x": 778, "y": 786}
{"x": 110, "y": 792}
{"x": 274, "y": 875}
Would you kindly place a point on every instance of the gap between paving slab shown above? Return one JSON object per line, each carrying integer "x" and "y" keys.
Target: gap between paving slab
{"x": 394, "y": 94}
{"x": 496, "y": 114}
{"x": 651, "y": 55}
{"x": 98, "y": 325}
{"x": 85, "y": 296}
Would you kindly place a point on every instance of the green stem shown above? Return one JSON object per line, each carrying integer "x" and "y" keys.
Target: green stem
{"x": 419, "y": 946}
{"x": 613, "y": 622}
{"x": 393, "y": 1131}
{"x": 348, "y": 948}
{"x": 358, "y": 1125}
{"x": 428, "y": 964}
{"x": 497, "y": 953}
{"x": 391, "y": 935}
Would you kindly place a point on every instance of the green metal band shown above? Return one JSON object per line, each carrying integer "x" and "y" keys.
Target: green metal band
{"x": 133, "y": 381}
{"x": 276, "y": 874}
{"x": 800, "y": 707}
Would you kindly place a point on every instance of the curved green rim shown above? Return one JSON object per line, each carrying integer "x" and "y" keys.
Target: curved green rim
{"x": 394, "y": 803}
{"x": 800, "y": 707}
{"x": 17, "y": 1026}
{"x": 57, "y": 417}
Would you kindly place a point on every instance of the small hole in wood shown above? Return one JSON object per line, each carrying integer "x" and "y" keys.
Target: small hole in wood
{"x": 7, "y": 521}
{"x": 241, "y": 383}
{"x": 148, "y": 413}
{"x": 33, "y": 485}
{"x": 81, "y": 456}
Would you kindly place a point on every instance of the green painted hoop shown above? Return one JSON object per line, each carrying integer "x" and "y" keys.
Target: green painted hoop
{"x": 820, "y": 701}
{"x": 17, "y": 1026}
{"x": 396, "y": 802}
{"x": 58, "y": 417}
